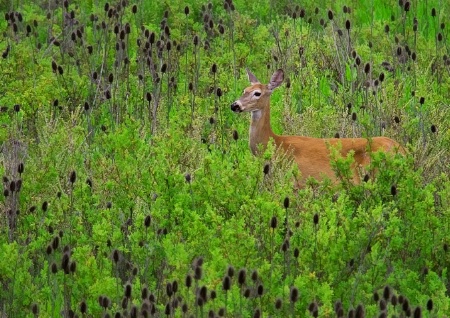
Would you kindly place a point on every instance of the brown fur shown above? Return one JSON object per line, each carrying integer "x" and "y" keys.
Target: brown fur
{"x": 311, "y": 154}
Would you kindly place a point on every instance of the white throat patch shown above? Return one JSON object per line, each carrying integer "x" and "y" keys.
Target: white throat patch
{"x": 256, "y": 114}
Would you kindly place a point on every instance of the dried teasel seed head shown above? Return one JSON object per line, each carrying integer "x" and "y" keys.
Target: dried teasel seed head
{"x": 330, "y": 14}
{"x": 116, "y": 256}
{"x": 273, "y": 222}
{"x": 430, "y": 304}
{"x": 128, "y": 289}
{"x": 266, "y": 169}
{"x": 386, "y": 293}
{"x": 35, "y": 309}
{"x": 393, "y": 190}
{"x": 316, "y": 219}
{"x": 348, "y": 25}
{"x": 278, "y": 303}
{"x": 230, "y": 271}
{"x": 83, "y": 307}
{"x": 198, "y": 273}
{"x": 242, "y": 276}
{"x": 418, "y": 312}
{"x": 286, "y": 202}
{"x": 433, "y": 129}
{"x": 254, "y": 275}
{"x": 73, "y": 177}
{"x": 188, "y": 281}
{"x": 226, "y": 283}
{"x": 169, "y": 290}
{"x": 147, "y": 221}
{"x": 293, "y": 295}
{"x": 235, "y": 135}
{"x": 394, "y": 300}
{"x": 260, "y": 290}
{"x": 382, "y": 304}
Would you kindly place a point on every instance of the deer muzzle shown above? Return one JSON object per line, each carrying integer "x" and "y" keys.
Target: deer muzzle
{"x": 236, "y": 107}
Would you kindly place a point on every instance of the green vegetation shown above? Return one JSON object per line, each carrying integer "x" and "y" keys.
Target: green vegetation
{"x": 129, "y": 189}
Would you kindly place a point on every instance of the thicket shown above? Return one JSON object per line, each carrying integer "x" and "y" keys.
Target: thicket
{"x": 129, "y": 189}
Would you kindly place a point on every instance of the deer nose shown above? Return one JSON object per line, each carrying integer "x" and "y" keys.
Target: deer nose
{"x": 236, "y": 107}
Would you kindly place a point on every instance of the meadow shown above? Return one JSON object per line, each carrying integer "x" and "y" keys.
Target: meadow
{"x": 129, "y": 189}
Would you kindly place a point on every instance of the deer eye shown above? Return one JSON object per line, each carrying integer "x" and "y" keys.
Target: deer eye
{"x": 257, "y": 94}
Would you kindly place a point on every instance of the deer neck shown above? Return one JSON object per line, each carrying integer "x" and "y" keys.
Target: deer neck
{"x": 260, "y": 129}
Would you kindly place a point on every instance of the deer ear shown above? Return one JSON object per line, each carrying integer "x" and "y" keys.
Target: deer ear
{"x": 276, "y": 80}
{"x": 252, "y": 78}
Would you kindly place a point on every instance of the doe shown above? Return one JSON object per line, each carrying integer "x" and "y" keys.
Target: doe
{"x": 311, "y": 154}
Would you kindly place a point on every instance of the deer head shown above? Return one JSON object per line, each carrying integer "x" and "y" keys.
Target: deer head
{"x": 257, "y": 95}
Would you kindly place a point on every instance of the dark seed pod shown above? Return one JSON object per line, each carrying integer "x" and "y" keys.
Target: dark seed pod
{"x": 330, "y": 14}
{"x": 367, "y": 68}
{"x": 266, "y": 169}
{"x": 260, "y": 290}
{"x": 422, "y": 100}
{"x": 407, "y": 6}
{"x": 198, "y": 273}
{"x": 169, "y": 290}
{"x": 394, "y": 300}
{"x": 254, "y": 276}
{"x": 242, "y": 276}
{"x": 83, "y": 307}
{"x": 386, "y": 293}
{"x": 226, "y": 283}
{"x": 186, "y": 10}
{"x": 286, "y": 202}
{"x": 430, "y": 304}
{"x": 316, "y": 219}
{"x": 433, "y": 129}
{"x": 35, "y": 309}
{"x": 116, "y": 256}
{"x": 235, "y": 135}
{"x": 278, "y": 303}
{"x": 273, "y": 222}
{"x": 354, "y": 117}
{"x": 188, "y": 281}
{"x": 433, "y": 12}
{"x": 73, "y": 267}
{"x": 147, "y": 221}
{"x": 54, "y": 268}
{"x": 418, "y": 312}
{"x": 293, "y": 295}
{"x": 127, "y": 292}
{"x": 73, "y": 177}
{"x": 393, "y": 190}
